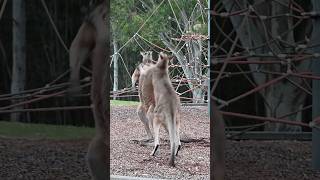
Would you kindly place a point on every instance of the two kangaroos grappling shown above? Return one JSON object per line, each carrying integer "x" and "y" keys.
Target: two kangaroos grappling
{"x": 159, "y": 103}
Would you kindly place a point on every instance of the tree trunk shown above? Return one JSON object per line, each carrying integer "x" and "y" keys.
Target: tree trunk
{"x": 198, "y": 95}
{"x": 115, "y": 69}
{"x": 194, "y": 58}
{"x": 19, "y": 52}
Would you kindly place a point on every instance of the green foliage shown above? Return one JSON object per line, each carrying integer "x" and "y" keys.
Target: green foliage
{"x": 150, "y": 19}
{"x": 123, "y": 103}
{"x": 127, "y": 17}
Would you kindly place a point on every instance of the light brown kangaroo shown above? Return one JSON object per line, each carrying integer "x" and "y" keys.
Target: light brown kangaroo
{"x": 145, "y": 91}
{"x": 146, "y": 59}
{"x": 92, "y": 42}
{"x": 166, "y": 109}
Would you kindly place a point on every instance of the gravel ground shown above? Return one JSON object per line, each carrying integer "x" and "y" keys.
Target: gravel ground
{"x": 24, "y": 159}
{"x": 269, "y": 160}
{"x": 256, "y": 160}
{"x": 131, "y": 159}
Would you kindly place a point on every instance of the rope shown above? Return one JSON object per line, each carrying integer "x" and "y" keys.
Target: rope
{"x": 140, "y": 28}
{"x": 54, "y": 26}
{"x": 3, "y": 7}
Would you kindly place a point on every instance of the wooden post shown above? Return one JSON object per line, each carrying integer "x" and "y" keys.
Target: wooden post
{"x": 315, "y": 39}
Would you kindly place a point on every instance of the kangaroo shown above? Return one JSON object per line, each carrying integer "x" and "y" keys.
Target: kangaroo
{"x": 166, "y": 108}
{"x": 146, "y": 59}
{"x": 92, "y": 42}
{"x": 145, "y": 90}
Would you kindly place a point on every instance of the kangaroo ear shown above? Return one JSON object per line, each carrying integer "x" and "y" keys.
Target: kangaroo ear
{"x": 161, "y": 56}
{"x": 142, "y": 53}
{"x": 171, "y": 58}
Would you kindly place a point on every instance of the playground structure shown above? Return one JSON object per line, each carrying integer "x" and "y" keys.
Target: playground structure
{"x": 280, "y": 62}
{"x": 243, "y": 55}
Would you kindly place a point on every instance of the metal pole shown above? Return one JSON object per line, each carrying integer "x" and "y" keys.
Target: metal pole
{"x": 316, "y": 87}
{"x": 209, "y": 91}
{"x": 217, "y": 128}
{"x": 315, "y": 113}
{"x": 209, "y": 54}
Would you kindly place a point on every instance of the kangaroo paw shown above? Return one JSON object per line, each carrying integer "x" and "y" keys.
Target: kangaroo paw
{"x": 155, "y": 150}
{"x": 178, "y": 149}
